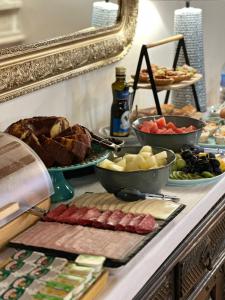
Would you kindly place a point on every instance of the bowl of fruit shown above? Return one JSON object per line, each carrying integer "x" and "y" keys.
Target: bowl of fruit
{"x": 169, "y": 132}
{"x": 145, "y": 169}
{"x": 193, "y": 165}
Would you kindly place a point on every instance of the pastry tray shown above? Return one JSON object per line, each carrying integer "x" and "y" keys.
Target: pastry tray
{"x": 173, "y": 86}
{"x": 111, "y": 263}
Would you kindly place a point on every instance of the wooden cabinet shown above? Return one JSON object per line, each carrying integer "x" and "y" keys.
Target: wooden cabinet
{"x": 196, "y": 269}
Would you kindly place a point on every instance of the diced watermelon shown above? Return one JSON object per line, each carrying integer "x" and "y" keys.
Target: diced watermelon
{"x": 161, "y": 127}
{"x": 161, "y": 122}
{"x": 170, "y": 131}
{"x": 154, "y": 128}
{"x": 145, "y": 129}
{"x": 171, "y": 125}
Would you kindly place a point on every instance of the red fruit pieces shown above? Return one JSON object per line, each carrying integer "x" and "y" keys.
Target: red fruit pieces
{"x": 161, "y": 123}
{"x": 147, "y": 224}
{"x": 160, "y": 126}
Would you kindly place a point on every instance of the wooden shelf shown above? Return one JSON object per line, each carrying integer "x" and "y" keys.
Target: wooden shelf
{"x": 175, "y": 86}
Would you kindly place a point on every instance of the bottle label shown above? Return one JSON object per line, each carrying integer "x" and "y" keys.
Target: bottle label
{"x": 122, "y": 95}
{"x": 121, "y": 125}
{"x": 222, "y": 80}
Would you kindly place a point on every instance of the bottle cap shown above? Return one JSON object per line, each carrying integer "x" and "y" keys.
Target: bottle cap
{"x": 120, "y": 71}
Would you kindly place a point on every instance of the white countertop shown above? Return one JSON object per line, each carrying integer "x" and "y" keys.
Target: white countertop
{"x": 128, "y": 280}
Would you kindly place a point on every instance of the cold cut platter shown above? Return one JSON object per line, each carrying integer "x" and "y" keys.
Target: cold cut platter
{"x": 94, "y": 224}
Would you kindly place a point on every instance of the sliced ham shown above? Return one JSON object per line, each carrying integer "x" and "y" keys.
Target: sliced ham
{"x": 91, "y": 215}
{"x": 114, "y": 219}
{"x": 54, "y": 213}
{"x": 102, "y": 219}
{"x": 148, "y": 224}
{"x": 63, "y": 218}
{"x": 124, "y": 222}
{"x": 131, "y": 226}
{"x": 77, "y": 216}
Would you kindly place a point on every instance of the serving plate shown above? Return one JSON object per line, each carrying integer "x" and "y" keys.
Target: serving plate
{"x": 130, "y": 139}
{"x": 212, "y": 144}
{"x": 63, "y": 190}
{"x": 189, "y": 182}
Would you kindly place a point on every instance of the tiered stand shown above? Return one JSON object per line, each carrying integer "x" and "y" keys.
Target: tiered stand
{"x": 152, "y": 85}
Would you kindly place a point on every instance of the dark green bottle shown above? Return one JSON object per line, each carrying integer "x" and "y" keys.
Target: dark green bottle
{"x": 119, "y": 123}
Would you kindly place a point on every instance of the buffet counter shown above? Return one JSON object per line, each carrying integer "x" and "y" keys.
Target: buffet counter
{"x": 125, "y": 282}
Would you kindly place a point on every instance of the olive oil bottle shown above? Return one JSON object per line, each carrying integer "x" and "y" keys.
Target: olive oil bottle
{"x": 120, "y": 124}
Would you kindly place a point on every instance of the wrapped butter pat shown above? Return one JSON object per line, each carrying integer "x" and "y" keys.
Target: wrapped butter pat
{"x": 84, "y": 272}
{"x": 18, "y": 267}
{"x": 78, "y": 283}
{"x": 43, "y": 274}
{"x": 51, "y": 262}
{"x": 27, "y": 255}
{"x": 6, "y": 278}
{"x": 54, "y": 292}
{"x": 93, "y": 261}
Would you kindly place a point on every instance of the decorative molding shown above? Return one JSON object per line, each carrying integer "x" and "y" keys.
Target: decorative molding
{"x": 24, "y": 69}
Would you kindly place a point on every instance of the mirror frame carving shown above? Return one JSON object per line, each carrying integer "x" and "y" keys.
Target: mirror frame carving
{"x": 26, "y": 68}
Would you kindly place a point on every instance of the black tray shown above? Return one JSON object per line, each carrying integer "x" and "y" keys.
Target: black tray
{"x": 111, "y": 263}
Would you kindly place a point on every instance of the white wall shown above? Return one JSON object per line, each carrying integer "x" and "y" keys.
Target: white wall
{"x": 87, "y": 99}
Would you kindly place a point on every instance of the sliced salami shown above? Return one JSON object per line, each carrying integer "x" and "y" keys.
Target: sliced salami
{"x": 134, "y": 223}
{"x": 102, "y": 219}
{"x": 91, "y": 215}
{"x": 54, "y": 213}
{"x": 148, "y": 224}
{"x": 124, "y": 222}
{"x": 77, "y": 216}
{"x": 114, "y": 219}
{"x": 63, "y": 218}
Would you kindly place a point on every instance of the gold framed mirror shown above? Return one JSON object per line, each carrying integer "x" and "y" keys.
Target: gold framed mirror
{"x": 26, "y": 68}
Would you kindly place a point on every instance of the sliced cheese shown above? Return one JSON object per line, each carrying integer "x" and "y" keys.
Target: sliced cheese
{"x": 159, "y": 209}
{"x": 140, "y": 207}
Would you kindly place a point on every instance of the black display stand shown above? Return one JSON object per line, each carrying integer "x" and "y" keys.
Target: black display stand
{"x": 144, "y": 54}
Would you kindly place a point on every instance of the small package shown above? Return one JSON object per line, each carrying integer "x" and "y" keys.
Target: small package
{"x": 54, "y": 292}
{"x": 80, "y": 271}
{"x": 6, "y": 278}
{"x": 27, "y": 256}
{"x": 55, "y": 263}
{"x": 43, "y": 274}
{"x": 93, "y": 261}
{"x": 77, "y": 283}
{"x": 18, "y": 267}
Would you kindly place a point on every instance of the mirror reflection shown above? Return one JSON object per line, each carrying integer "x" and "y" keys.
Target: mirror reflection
{"x": 31, "y": 21}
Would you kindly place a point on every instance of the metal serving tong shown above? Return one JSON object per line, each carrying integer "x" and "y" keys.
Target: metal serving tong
{"x": 37, "y": 211}
{"x": 111, "y": 143}
{"x": 134, "y": 195}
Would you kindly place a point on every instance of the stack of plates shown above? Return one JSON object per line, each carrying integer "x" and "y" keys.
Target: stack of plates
{"x": 104, "y": 14}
